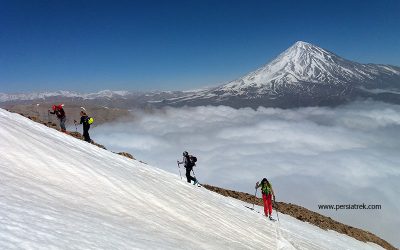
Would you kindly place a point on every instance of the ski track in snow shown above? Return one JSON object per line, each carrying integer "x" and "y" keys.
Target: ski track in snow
{"x": 283, "y": 244}
{"x": 57, "y": 192}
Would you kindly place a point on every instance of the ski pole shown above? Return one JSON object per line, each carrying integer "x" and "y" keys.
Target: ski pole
{"x": 179, "y": 170}
{"x": 277, "y": 214}
{"x": 194, "y": 175}
{"x": 76, "y": 127}
{"x": 255, "y": 194}
{"x": 195, "y": 179}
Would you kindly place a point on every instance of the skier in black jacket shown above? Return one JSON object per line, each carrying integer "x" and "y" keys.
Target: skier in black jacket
{"x": 86, "y": 126}
{"x": 189, "y": 164}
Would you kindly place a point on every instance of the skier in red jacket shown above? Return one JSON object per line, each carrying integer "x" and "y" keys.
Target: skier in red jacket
{"x": 60, "y": 113}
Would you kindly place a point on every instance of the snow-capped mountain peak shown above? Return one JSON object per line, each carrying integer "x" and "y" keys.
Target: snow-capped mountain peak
{"x": 306, "y": 63}
{"x": 303, "y": 75}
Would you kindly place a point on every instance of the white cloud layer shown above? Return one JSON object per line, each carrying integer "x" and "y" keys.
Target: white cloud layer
{"x": 349, "y": 154}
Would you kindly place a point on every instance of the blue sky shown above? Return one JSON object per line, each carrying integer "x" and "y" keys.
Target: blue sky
{"x": 144, "y": 45}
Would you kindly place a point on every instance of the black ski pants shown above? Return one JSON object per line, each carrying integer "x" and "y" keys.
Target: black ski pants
{"x": 86, "y": 133}
{"x": 188, "y": 176}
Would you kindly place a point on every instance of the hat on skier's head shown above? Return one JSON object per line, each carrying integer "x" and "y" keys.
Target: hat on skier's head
{"x": 264, "y": 179}
{"x": 185, "y": 153}
{"x": 60, "y": 106}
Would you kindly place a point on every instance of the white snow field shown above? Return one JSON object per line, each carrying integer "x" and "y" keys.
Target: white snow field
{"x": 57, "y": 192}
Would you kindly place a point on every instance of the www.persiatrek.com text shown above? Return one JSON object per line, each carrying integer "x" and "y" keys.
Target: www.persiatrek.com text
{"x": 362, "y": 206}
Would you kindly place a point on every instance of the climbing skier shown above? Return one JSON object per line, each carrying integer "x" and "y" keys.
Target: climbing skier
{"x": 267, "y": 194}
{"x": 85, "y": 121}
{"x": 189, "y": 162}
{"x": 60, "y": 113}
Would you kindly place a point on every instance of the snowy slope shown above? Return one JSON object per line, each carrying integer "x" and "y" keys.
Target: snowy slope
{"x": 61, "y": 193}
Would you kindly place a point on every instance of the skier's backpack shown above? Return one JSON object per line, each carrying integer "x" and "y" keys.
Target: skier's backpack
{"x": 90, "y": 120}
{"x": 265, "y": 189}
{"x": 193, "y": 159}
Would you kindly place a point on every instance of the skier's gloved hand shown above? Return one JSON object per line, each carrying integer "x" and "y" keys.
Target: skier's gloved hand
{"x": 257, "y": 184}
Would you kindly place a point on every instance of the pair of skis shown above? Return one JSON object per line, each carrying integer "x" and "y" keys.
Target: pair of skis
{"x": 270, "y": 218}
{"x": 198, "y": 184}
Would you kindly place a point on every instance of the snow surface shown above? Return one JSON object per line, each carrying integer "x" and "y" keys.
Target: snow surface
{"x": 57, "y": 192}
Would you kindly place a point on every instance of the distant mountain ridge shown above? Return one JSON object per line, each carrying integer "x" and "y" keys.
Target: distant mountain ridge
{"x": 70, "y": 94}
{"x": 105, "y": 98}
{"x": 302, "y": 75}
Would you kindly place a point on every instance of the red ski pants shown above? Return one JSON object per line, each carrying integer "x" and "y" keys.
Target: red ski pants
{"x": 267, "y": 204}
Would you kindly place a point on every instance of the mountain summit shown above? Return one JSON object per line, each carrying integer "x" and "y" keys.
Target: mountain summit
{"x": 304, "y": 75}
{"x": 307, "y": 63}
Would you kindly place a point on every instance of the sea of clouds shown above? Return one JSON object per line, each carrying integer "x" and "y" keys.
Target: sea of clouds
{"x": 318, "y": 155}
